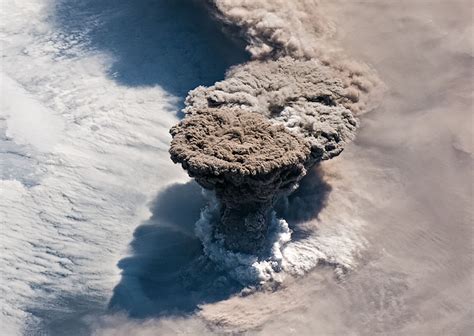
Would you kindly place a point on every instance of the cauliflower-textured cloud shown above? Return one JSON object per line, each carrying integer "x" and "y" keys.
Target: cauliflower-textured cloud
{"x": 247, "y": 160}
{"x": 308, "y": 98}
{"x": 252, "y": 136}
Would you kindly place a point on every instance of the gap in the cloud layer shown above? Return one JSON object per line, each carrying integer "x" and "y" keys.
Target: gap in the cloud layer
{"x": 173, "y": 44}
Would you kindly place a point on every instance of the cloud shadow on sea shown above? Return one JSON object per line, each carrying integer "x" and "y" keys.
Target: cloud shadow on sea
{"x": 170, "y": 43}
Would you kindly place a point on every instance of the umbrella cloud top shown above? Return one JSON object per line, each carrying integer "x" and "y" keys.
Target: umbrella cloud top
{"x": 235, "y": 142}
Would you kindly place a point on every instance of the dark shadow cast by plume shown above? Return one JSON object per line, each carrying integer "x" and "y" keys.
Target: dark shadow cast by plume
{"x": 167, "y": 273}
{"x": 170, "y": 43}
{"x": 305, "y": 203}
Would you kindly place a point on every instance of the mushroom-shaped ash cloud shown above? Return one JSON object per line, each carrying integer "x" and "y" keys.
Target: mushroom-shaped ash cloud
{"x": 251, "y": 137}
{"x": 247, "y": 161}
{"x": 311, "y": 99}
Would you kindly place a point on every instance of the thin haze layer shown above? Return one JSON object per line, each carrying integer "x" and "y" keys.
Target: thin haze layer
{"x": 315, "y": 94}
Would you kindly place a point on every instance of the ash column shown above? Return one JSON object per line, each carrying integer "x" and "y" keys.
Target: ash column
{"x": 248, "y": 162}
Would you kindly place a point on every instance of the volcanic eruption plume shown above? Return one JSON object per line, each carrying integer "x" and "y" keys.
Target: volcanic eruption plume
{"x": 251, "y": 137}
{"x": 247, "y": 160}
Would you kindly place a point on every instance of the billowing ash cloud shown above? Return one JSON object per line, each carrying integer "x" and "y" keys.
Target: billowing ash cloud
{"x": 246, "y": 160}
{"x": 274, "y": 28}
{"x": 251, "y": 137}
{"x": 310, "y": 99}
{"x": 277, "y": 28}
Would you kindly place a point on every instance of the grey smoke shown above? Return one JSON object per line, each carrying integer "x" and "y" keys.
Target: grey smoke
{"x": 251, "y": 137}
{"x": 278, "y": 28}
{"x": 274, "y": 28}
